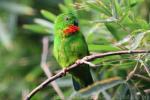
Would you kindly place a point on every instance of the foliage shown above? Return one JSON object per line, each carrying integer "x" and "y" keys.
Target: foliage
{"x": 108, "y": 25}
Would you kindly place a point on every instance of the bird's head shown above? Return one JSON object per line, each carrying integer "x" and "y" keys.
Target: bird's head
{"x": 66, "y": 24}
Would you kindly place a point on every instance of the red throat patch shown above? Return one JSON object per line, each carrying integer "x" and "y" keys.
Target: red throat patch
{"x": 71, "y": 29}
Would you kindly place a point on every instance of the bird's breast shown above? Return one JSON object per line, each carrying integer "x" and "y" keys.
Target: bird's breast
{"x": 69, "y": 50}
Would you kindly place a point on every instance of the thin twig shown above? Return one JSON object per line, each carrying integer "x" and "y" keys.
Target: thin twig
{"x": 45, "y": 68}
{"x": 88, "y": 58}
{"x": 146, "y": 68}
{"x": 132, "y": 72}
{"x": 24, "y": 93}
{"x": 142, "y": 77}
{"x": 147, "y": 91}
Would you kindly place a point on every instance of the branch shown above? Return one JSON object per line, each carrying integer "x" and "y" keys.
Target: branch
{"x": 45, "y": 66}
{"x": 87, "y": 58}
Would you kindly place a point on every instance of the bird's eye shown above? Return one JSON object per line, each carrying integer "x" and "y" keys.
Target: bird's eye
{"x": 66, "y": 18}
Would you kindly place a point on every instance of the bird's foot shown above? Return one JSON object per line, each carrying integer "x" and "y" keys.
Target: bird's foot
{"x": 84, "y": 61}
{"x": 64, "y": 71}
{"x": 81, "y": 61}
{"x": 78, "y": 61}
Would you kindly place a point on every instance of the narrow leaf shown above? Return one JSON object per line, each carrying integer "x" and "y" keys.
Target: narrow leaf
{"x": 37, "y": 28}
{"x": 98, "y": 87}
{"x": 50, "y": 16}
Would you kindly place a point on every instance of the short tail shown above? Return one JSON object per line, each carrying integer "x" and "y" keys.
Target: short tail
{"x": 82, "y": 79}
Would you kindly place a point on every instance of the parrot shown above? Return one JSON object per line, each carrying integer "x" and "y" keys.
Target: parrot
{"x": 70, "y": 46}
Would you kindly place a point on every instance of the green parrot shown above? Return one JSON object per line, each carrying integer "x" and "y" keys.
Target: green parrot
{"x": 69, "y": 46}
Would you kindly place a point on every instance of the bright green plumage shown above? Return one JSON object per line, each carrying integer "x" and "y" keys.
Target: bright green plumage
{"x": 70, "y": 47}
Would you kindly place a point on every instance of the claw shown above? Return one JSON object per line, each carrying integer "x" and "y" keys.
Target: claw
{"x": 78, "y": 61}
{"x": 64, "y": 71}
{"x": 85, "y": 58}
{"x": 85, "y": 62}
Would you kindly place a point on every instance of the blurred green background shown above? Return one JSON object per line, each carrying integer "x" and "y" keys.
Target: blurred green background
{"x": 108, "y": 25}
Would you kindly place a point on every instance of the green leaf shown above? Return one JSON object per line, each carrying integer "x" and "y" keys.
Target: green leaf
{"x": 98, "y": 87}
{"x": 63, "y": 8}
{"x": 50, "y": 16}
{"x": 117, "y": 8}
{"x": 101, "y": 7}
{"x": 121, "y": 92}
{"x": 5, "y": 37}
{"x": 142, "y": 23}
{"x": 133, "y": 2}
{"x": 16, "y": 8}
{"x": 106, "y": 60}
{"x": 124, "y": 16}
{"x": 43, "y": 23}
{"x": 117, "y": 31}
{"x": 98, "y": 48}
{"x": 37, "y": 28}
{"x": 68, "y": 2}
{"x": 137, "y": 40}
